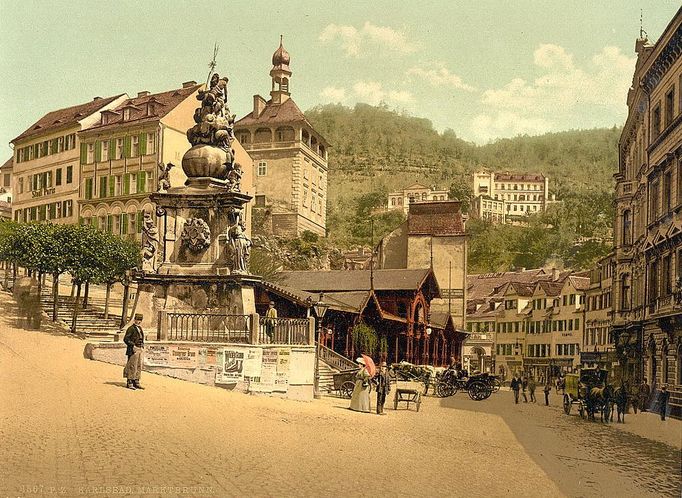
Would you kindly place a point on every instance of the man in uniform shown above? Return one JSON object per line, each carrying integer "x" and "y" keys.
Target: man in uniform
{"x": 134, "y": 340}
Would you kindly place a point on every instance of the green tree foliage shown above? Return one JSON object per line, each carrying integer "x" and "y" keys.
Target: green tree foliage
{"x": 365, "y": 339}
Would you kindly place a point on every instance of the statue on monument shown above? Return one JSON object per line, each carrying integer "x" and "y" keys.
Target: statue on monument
{"x": 150, "y": 243}
{"x": 241, "y": 246}
{"x": 164, "y": 176}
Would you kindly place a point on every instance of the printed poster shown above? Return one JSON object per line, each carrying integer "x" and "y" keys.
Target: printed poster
{"x": 183, "y": 356}
{"x": 282, "y": 371}
{"x": 252, "y": 362}
{"x": 220, "y": 361}
{"x": 208, "y": 357}
{"x": 302, "y": 368}
{"x": 268, "y": 370}
{"x": 156, "y": 355}
{"x": 233, "y": 366}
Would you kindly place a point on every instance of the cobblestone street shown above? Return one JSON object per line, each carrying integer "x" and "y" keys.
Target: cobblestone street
{"x": 70, "y": 428}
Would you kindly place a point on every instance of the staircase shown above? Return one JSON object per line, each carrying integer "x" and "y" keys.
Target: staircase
{"x": 330, "y": 363}
{"x": 90, "y": 322}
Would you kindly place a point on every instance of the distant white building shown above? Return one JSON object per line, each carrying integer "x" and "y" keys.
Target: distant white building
{"x": 522, "y": 194}
{"x": 6, "y": 190}
{"x": 416, "y": 192}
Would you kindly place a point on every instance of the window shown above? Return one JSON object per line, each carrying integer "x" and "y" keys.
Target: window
{"x": 70, "y": 141}
{"x": 656, "y": 121}
{"x": 133, "y": 183}
{"x": 653, "y": 201}
{"x": 667, "y": 181}
{"x": 151, "y": 143}
{"x": 134, "y": 146}
{"x": 667, "y": 275}
{"x": 117, "y": 185}
{"x": 58, "y": 177}
{"x": 119, "y": 149}
{"x": 260, "y": 201}
{"x": 90, "y": 156}
{"x": 102, "y": 187}
{"x": 305, "y": 198}
{"x": 627, "y": 232}
{"x": 20, "y": 185}
{"x": 69, "y": 174}
{"x": 60, "y": 144}
{"x": 88, "y": 188}
{"x": 625, "y": 293}
{"x": 262, "y": 168}
{"x": 669, "y": 106}
{"x": 105, "y": 150}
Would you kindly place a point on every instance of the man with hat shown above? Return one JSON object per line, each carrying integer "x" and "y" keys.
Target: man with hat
{"x": 270, "y": 319}
{"x": 383, "y": 383}
{"x": 134, "y": 340}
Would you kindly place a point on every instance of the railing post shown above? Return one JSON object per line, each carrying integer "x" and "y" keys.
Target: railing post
{"x": 311, "y": 330}
{"x": 162, "y": 326}
{"x": 254, "y": 329}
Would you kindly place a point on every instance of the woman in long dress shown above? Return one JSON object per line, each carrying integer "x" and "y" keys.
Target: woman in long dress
{"x": 359, "y": 402}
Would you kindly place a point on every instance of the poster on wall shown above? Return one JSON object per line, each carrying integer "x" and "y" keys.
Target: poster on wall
{"x": 233, "y": 366}
{"x": 266, "y": 382}
{"x": 302, "y": 368}
{"x": 208, "y": 357}
{"x": 220, "y": 361}
{"x": 252, "y": 362}
{"x": 156, "y": 355}
{"x": 282, "y": 371}
{"x": 183, "y": 356}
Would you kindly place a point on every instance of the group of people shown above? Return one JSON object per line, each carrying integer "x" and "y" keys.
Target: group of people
{"x": 360, "y": 400}
{"x": 641, "y": 398}
{"x": 523, "y": 385}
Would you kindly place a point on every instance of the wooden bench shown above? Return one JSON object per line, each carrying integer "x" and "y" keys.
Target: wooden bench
{"x": 407, "y": 396}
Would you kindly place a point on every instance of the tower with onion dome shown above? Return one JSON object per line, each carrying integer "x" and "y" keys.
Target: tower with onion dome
{"x": 290, "y": 158}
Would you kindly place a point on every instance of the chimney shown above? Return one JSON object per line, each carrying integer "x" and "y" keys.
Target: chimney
{"x": 258, "y": 106}
{"x": 143, "y": 93}
{"x": 188, "y": 84}
{"x": 555, "y": 274}
{"x": 96, "y": 98}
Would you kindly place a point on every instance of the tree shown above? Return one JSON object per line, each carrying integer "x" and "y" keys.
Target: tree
{"x": 365, "y": 339}
{"x": 117, "y": 257}
{"x": 462, "y": 192}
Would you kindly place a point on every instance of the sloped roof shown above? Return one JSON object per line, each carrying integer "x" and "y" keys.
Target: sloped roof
{"x": 298, "y": 296}
{"x": 523, "y": 289}
{"x": 7, "y": 165}
{"x": 520, "y": 177}
{"x": 165, "y": 102}
{"x": 352, "y": 301}
{"x": 67, "y": 116}
{"x": 551, "y": 288}
{"x": 435, "y": 218}
{"x": 579, "y": 283}
{"x": 356, "y": 280}
{"x": 483, "y": 285}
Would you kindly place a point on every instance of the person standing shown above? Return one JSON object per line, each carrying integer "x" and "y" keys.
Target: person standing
{"x": 644, "y": 393}
{"x": 359, "y": 401}
{"x": 547, "y": 390}
{"x": 134, "y": 341}
{"x": 516, "y": 386}
{"x": 383, "y": 383}
{"x": 524, "y": 388}
{"x": 531, "y": 389}
{"x": 663, "y": 398}
{"x": 270, "y": 319}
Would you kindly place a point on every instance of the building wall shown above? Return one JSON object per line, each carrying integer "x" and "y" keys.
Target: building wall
{"x": 402, "y": 199}
{"x": 393, "y": 249}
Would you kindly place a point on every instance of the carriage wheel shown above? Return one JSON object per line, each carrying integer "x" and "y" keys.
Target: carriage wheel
{"x": 449, "y": 390}
{"x": 347, "y": 389}
{"x": 567, "y": 404}
{"x": 582, "y": 409}
{"x": 496, "y": 385}
{"x": 477, "y": 391}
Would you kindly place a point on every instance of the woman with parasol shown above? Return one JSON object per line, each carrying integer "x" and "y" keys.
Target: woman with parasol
{"x": 359, "y": 401}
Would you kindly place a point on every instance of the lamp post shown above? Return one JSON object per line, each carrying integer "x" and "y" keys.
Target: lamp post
{"x": 428, "y": 344}
{"x": 320, "y": 308}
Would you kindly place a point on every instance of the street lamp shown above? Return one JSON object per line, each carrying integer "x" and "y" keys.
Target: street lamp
{"x": 320, "y": 308}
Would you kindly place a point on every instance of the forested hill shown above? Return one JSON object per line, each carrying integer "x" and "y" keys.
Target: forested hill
{"x": 376, "y": 150}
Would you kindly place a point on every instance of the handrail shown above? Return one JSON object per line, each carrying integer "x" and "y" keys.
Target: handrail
{"x": 334, "y": 359}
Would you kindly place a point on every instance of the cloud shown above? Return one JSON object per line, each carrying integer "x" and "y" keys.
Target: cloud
{"x": 357, "y": 42}
{"x": 438, "y": 75}
{"x": 565, "y": 94}
{"x": 333, "y": 94}
{"x": 372, "y": 92}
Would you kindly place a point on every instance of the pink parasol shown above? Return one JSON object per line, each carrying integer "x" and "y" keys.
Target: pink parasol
{"x": 369, "y": 364}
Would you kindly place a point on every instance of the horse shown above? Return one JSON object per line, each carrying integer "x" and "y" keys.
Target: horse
{"x": 599, "y": 398}
{"x": 620, "y": 397}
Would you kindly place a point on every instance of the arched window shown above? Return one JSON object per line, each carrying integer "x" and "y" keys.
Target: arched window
{"x": 625, "y": 292}
{"x": 664, "y": 363}
{"x": 305, "y": 137}
{"x": 423, "y": 196}
{"x": 263, "y": 135}
{"x": 323, "y": 152}
{"x": 627, "y": 227}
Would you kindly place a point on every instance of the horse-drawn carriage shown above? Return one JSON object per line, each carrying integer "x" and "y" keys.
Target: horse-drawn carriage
{"x": 479, "y": 386}
{"x": 590, "y": 391}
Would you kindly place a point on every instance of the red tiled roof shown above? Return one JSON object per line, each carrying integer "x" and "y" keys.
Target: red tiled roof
{"x": 484, "y": 285}
{"x": 435, "y": 218}
{"x": 551, "y": 288}
{"x": 286, "y": 112}
{"x": 7, "y": 165}
{"x": 66, "y": 116}
{"x": 165, "y": 102}
{"x": 580, "y": 283}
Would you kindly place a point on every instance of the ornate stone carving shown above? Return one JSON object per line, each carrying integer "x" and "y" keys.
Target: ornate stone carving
{"x": 164, "y": 176}
{"x": 241, "y": 248}
{"x": 196, "y": 234}
{"x": 150, "y": 243}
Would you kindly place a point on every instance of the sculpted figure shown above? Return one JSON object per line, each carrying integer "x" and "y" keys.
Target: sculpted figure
{"x": 164, "y": 176}
{"x": 150, "y": 243}
{"x": 241, "y": 246}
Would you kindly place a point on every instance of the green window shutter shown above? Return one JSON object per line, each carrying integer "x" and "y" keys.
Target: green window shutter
{"x": 112, "y": 185}
{"x": 126, "y": 184}
{"x": 103, "y": 187}
{"x": 140, "y": 219}
{"x": 88, "y": 188}
{"x": 141, "y": 180}
{"x": 143, "y": 144}
{"x": 110, "y": 223}
{"x": 124, "y": 223}
{"x": 126, "y": 147}
{"x": 84, "y": 153}
{"x": 98, "y": 151}
{"x": 112, "y": 149}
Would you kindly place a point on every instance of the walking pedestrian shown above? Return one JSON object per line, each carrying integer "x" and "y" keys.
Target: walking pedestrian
{"x": 383, "y": 383}
{"x": 270, "y": 321}
{"x": 531, "y": 389}
{"x": 524, "y": 388}
{"x": 547, "y": 390}
{"x": 359, "y": 401}
{"x": 134, "y": 341}
{"x": 516, "y": 386}
{"x": 644, "y": 393}
{"x": 663, "y": 398}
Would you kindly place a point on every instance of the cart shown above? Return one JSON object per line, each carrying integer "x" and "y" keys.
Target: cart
{"x": 407, "y": 396}
{"x": 577, "y": 388}
{"x": 344, "y": 382}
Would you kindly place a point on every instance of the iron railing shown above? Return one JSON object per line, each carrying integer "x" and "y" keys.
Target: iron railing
{"x": 283, "y": 330}
{"x": 208, "y": 327}
{"x": 334, "y": 359}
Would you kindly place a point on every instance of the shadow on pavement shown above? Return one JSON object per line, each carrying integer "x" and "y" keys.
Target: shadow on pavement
{"x": 117, "y": 384}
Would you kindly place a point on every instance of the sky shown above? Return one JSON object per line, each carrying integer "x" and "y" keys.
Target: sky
{"x": 486, "y": 69}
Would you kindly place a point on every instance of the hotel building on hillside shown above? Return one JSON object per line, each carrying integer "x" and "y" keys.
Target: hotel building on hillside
{"x": 401, "y": 199}
{"x": 522, "y": 194}
{"x": 647, "y": 319}
{"x": 46, "y": 173}
{"x": 290, "y": 157}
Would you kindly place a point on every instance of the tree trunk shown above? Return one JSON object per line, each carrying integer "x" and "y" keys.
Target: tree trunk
{"x": 106, "y": 302}
{"x": 6, "y": 285}
{"x": 124, "y": 305}
{"x": 55, "y": 296}
{"x": 87, "y": 294}
{"x": 40, "y": 285}
{"x": 73, "y": 289}
{"x": 14, "y": 274}
{"x": 75, "y": 309}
